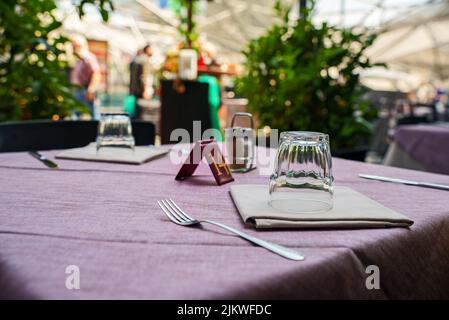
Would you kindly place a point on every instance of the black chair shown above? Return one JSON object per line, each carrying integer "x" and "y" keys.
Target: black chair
{"x": 181, "y": 104}
{"x": 48, "y": 135}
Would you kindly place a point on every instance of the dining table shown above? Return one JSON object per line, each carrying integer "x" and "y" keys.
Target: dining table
{"x": 103, "y": 218}
{"x": 420, "y": 147}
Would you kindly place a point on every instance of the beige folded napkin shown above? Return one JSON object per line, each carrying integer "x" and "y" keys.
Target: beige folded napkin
{"x": 140, "y": 154}
{"x": 351, "y": 210}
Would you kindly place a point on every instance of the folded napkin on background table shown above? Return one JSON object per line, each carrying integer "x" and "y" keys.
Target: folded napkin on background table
{"x": 140, "y": 154}
{"x": 351, "y": 210}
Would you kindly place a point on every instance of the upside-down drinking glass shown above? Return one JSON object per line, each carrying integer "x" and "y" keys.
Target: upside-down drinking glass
{"x": 114, "y": 130}
{"x": 302, "y": 178}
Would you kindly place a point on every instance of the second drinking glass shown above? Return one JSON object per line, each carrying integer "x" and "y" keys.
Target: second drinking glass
{"x": 302, "y": 178}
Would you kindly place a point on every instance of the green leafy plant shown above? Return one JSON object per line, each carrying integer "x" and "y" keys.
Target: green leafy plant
{"x": 105, "y": 7}
{"x": 184, "y": 11}
{"x": 300, "y": 76}
{"x": 33, "y": 82}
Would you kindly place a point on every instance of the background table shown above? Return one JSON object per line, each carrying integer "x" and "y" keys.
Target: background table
{"x": 420, "y": 147}
{"x": 104, "y": 219}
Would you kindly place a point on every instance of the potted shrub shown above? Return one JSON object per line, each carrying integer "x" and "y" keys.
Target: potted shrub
{"x": 33, "y": 84}
{"x": 302, "y": 76}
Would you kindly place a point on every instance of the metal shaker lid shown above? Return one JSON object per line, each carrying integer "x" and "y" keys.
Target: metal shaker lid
{"x": 243, "y": 114}
{"x": 241, "y": 131}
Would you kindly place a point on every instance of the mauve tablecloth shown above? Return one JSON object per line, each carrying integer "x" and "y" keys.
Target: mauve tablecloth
{"x": 103, "y": 218}
{"x": 427, "y": 144}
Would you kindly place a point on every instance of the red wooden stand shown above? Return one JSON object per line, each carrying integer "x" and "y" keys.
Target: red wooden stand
{"x": 208, "y": 149}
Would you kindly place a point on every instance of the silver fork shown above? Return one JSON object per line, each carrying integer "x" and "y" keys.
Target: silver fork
{"x": 176, "y": 215}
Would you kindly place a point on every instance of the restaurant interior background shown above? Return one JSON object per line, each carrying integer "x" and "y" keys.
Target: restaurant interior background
{"x": 391, "y": 58}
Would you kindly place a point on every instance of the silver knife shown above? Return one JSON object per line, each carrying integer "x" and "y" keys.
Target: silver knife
{"x": 407, "y": 182}
{"x": 43, "y": 159}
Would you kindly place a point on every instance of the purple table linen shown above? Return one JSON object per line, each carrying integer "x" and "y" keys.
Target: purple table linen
{"x": 103, "y": 218}
{"x": 428, "y": 144}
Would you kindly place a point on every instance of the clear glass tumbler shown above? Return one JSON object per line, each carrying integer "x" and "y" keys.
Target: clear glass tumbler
{"x": 114, "y": 130}
{"x": 302, "y": 177}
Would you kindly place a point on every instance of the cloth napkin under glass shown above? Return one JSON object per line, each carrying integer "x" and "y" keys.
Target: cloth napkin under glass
{"x": 351, "y": 210}
{"x": 139, "y": 155}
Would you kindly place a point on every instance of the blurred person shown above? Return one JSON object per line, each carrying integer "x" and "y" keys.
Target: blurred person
{"x": 440, "y": 100}
{"x": 148, "y": 72}
{"x": 141, "y": 77}
{"x": 85, "y": 74}
{"x": 135, "y": 73}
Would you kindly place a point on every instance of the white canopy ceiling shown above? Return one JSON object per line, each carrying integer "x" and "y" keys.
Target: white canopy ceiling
{"x": 417, "y": 44}
{"x": 414, "y": 33}
{"x": 228, "y": 24}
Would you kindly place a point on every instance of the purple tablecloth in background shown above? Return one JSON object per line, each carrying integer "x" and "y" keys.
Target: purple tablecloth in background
{"x": 103, "y": 218}
{"x": 427, "y": 144}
